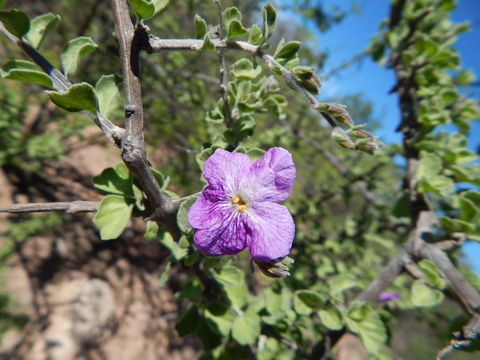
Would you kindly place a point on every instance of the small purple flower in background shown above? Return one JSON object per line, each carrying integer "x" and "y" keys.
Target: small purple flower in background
{"x": 388, "y": 295}
{"x": 238, "y": 208}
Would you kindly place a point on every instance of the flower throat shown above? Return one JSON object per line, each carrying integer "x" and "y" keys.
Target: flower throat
{"x": 241, "y": 204}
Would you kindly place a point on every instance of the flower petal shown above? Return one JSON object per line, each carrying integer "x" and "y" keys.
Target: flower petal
{"x": 271, "y": 231}
{"x": 224, "y": 171}
{"x": 227, "y": 239}
{"x": 205, "y": 213}
{"x": 280, "y": 161}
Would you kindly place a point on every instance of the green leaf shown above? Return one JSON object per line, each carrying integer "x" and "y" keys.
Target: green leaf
{"x": 188, "y": 320}
{"x": 235, "y": 29}
{"x": 331, "y": 317}
{"x": 424, "y": 296}
{"x": 160, "y": 5}
{"x": 204, "y": 155}
{"x": 151, "y": 231}
{"x": 456, "y": 225}
{"x": 220, "y": 322}
{"x": 359, "y": 311}
{"x": 78, "y": 97}
{"x": 269, "y": 15}
{"x": 362, "y": 319}
{"x": 16, "y": 22}
{"x": 428, "y": 166}
{"x": 114, "y": 180}
{"x": 144, "y": 8}
{"x": 230, "y": 275}
{"x": 439, "y": 184}
{"x": 138, "y": 196}
{"x": 243, "y": 69}
{"x": 113, "y": 216}
{"x": 207, "y": 43}
{"x": 182, "y": 215}
{"x": 246, "y": 328}
{"x": 23, "y": 70}
{"x": 40, "y": 27}
{"x": 108, "y": 94}
{"x": 469, "y": 206}
{"x": 287, "y": 51}
{"x": 465, "y": 77}
{"x": 341, "y": 283}
{"x": 200, "y": 27}
{"x": 255, "y": 36}
{"x": 176, "y": 250}
{"x": 305, "y": 301}
{"x": 230, "y": 14}
{"x": 430, "y": 270}
{"x": 232, "y": 20}
{"x": 373, "y": 333}
{"x": 75, "y": 50}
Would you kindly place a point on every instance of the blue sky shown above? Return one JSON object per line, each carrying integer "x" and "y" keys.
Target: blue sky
{"x": 352, "y": 36}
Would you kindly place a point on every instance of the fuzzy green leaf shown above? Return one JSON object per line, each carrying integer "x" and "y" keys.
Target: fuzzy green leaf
{"x": 24, "y": 70}
{"x": 113, "y": 216}
{"x": 428, "y": 166}
{"x": 456, "y": 225}
{"x": 269, "y": 15}
{"x": 187, "y": 322}
{"x": 182, "y": 215}
{"x": 144, "y": 8}
{"x": 246, "y": 328}
{"x": 255, "y": 36}
{"x": 78, "y": 97}
{"x": 424, "y": 296}
{"x": 331, "y": 317}
{"x": 243, "y": 69}
{"x": 16, "y": 22}
{"x": 207, "y": 43}
{"x": 430, "y": 270}
{"x": 230, "y": 275}
{"x": 108, "y": 94}
{"x": 235, "y": 29}
{"x": 40, "y": 27}
{"x": 116, "y": 181}
{"x": 151, "y": 231}
{"x": 287, "y": 50}
{"x": 160, "y": 5}
{"x": 75, "y": 50}
{"x": 176, "y": 250}
{"x": 307, "y": 300}
{"x": 439, "y": 184}
{"x": 200, "y": 27}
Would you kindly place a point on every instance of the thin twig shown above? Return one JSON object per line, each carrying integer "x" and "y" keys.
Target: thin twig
{"x": 130, "y": 42}
{"x": 61, "y": 83}
{"x": 156, "y": 44}
{"x": 360, "y": 185}
{"x": 223, "y": 79}
{"x": 69, "y": 207}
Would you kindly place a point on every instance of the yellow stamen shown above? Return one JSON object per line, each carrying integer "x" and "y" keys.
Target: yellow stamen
{"x": 237, "y": 200}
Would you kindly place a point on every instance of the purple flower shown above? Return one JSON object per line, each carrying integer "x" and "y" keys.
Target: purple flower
{"x": 388, "y": 295}
{"x": 238, "y": 208}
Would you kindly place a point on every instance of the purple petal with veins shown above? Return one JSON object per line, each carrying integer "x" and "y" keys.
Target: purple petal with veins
{"x": 238, "y": 207}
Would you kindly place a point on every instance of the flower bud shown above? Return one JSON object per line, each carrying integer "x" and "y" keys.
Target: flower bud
{"x": 360, "y": 133}
{"x": 305, "y": 76}
{"x": 338, "y": 112}
{"x": 275, "y": 268}
{"x": 367, "y": 146}
{"x": 342, "y": 138}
